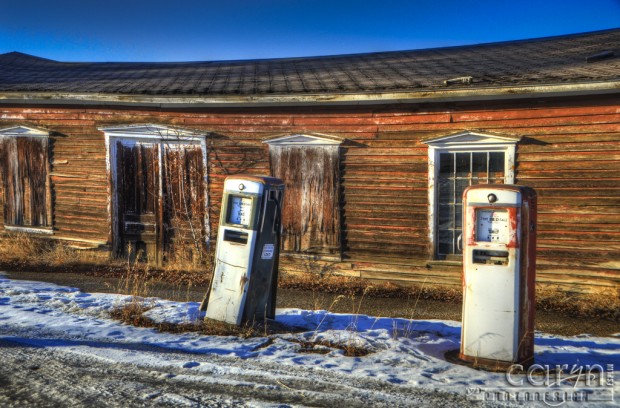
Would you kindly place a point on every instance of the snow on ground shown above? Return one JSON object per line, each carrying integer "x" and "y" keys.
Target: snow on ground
{"x": 407, "y": 354}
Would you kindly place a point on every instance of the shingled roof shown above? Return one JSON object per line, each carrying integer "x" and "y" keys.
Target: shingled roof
{"x": 573, "y": 59}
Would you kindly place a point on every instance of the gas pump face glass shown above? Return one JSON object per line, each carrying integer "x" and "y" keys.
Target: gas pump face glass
{"x": 239, "y": 211}
{"x": 492, "y": 226}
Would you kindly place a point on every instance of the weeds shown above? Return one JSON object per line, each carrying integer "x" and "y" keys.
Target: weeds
{"x": 326, "y": 346}
{"x": 183, "y": 266}
{"x": 20, "y": 248}
{"x": 604, "y": 304}
{"x": 133, "y": 313}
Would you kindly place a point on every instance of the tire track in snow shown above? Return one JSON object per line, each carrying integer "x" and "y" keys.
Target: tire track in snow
{"x": 79, "y": 374}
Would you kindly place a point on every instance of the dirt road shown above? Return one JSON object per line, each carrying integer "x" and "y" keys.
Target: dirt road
{"x": 68, "y": 376}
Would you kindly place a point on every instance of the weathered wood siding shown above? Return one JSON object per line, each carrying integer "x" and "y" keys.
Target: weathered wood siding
{"x": 570, "y": 153}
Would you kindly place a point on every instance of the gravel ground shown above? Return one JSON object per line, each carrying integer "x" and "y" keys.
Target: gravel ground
{"x": 548, "y": 322}
{"x": 55, "y": 377}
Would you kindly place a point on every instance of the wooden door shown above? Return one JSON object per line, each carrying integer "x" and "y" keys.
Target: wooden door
{"x": 184, "y": 200}
{"x": 161, "y": 200}
{"x": 139, "y": 200}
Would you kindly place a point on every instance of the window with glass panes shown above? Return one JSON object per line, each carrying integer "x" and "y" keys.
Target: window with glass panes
{"x": 457, "y": 171}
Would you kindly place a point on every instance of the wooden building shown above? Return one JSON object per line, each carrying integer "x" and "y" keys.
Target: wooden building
{"x": 375, "y": 150}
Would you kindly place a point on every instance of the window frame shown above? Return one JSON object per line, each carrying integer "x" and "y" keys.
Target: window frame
{"x": 463, "y": 142}
{"x": 32, "y": 132}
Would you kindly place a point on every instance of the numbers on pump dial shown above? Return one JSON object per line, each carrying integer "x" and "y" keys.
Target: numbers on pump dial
{"x": 240, "y": 210}
{"x": 492, "y": 226}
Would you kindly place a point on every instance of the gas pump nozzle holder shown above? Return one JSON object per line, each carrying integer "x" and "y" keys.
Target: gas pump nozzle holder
{"x": 499, "y": 267}
{"x": 245, "y": 275}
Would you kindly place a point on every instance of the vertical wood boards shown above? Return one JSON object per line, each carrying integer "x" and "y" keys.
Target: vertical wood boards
{"x": 24, "y": 162}
{"x": 160, "y": 198}
{"x": 311, "y": 208}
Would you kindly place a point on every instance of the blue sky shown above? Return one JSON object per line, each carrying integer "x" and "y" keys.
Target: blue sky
{"x": 190, "y": 30}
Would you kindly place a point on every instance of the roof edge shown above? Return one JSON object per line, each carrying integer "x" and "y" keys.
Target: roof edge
{"x": 443, "y": 95}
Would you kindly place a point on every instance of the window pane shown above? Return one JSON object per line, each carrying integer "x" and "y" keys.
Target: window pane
{"x": 461, "y": 185}
{"x": 458, "y": 217}
{"x": 446, "y": 191}
{"x": 446, "y": 164}
{"x": 463, "y": 164}
{"x": 445, "y": 243}
{"x": 446, "y": 217}
{"x": 479, "y": 167}
{"x": 469, "y": 168}
{"x": 496, "y": 165}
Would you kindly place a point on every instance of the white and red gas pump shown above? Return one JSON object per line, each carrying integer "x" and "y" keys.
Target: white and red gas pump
{"x": 499, "y": 267}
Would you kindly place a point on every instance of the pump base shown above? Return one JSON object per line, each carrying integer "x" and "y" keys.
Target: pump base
{"x": 455, "y": 357}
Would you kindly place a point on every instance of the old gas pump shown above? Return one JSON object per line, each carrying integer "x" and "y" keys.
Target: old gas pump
{"x": 245, "y": 277}
{"x": 499, "y": 263}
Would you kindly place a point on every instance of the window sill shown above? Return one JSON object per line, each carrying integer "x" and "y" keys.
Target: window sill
{"x": 30, "y": 230}
{"x": 432, "y": 264}
{"x": 311, "y": 257}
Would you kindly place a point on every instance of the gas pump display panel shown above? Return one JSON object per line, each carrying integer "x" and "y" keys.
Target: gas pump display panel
{"x": 239, "y": 210}
{"x": 492, "y": 226}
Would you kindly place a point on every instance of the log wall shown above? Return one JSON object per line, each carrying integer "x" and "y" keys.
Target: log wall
{"x": 570, "y": 153}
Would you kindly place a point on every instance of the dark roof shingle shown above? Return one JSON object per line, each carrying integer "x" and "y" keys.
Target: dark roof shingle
{"x": 542, "y": 61}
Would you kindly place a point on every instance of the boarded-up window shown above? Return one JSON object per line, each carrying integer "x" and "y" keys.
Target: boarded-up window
{"x": 311, "y": 210}
{"x": 23, "y": 168}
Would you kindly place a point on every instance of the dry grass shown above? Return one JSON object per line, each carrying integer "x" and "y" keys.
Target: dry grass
{"x": 322, "y": 280}
{"x": 351, "y": 286}
{"x": 325, "y": 347}
{"x": 604, "y": 304}
{"x": 187, "y": 265}
{"x": 133, "y": 313}
{"x": 24, "y": 249}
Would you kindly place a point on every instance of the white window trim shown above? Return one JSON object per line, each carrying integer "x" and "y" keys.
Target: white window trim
{"x": 304, "y": 139}
{"x": 26, "y": 131}
{"x": 30, "y": 230}
{"x": 468, "y": 141}
{"x": 150, "y": 133}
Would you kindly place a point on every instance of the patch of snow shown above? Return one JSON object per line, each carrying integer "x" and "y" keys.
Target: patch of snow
{"x": 406, "y": 353}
